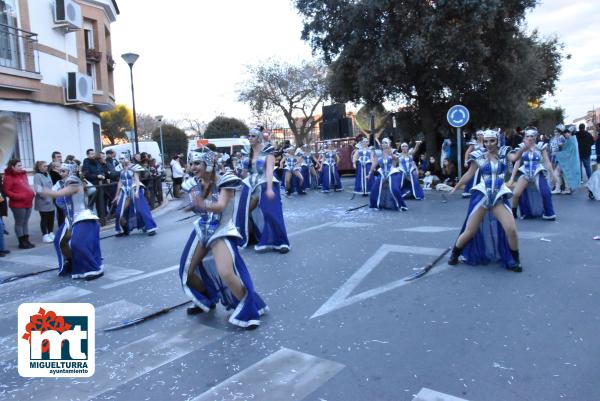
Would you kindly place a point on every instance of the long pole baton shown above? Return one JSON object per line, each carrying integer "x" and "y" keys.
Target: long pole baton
{"x": 133, "y": 322}
{"x": 25, "y": 275}
{"x": 423, "y": 271}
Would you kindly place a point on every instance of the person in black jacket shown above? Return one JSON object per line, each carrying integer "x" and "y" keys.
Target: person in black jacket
{"x": 584, "y": 142}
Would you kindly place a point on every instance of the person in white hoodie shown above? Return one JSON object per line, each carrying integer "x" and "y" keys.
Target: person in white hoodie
{"x": 177, "y": 174}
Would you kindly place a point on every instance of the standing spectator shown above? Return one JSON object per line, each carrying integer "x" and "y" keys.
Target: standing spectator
{"x": 177, "y": 174}
{"x": 514, "y": 138}
{"x": 44, "y": 205}
{"x": 92, "y": 169}
{"x": 53, "y": 170}
{"x": 20, "y": 201}
{"x": 3, "y": 213}
{"x": 584, "y": 142}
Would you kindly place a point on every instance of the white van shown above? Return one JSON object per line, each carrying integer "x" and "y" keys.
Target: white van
{"x": 224, "y": 145}
{"x": 149, "y": 147}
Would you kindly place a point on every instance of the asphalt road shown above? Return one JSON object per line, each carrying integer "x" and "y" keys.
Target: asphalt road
{"x": 343, "y": 324}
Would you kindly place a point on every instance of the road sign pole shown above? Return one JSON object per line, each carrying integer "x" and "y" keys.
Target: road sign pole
{"x": 459, "y": 151}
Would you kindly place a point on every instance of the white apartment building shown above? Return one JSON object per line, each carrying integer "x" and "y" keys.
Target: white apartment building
{"x": 56, "y": 73}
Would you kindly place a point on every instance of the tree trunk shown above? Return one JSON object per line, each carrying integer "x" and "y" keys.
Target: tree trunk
{"x": 427, "y": 118}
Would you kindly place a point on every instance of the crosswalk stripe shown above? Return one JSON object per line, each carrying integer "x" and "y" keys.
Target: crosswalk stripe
{"x": 429, "y": 229}
{"x": 139, "y": 277}
{"x": 8, "y": 348}
{"x": 283, "y": 375}
{"x": 115, "y": 273}
{"x": 127, "y": 363}
{"x": 427, "y": 394}
{"x": 35, "y": 260}
{"x": 115, "y": 312}
{"x": 64, "y": 294}
{"x": 21, "y": 284}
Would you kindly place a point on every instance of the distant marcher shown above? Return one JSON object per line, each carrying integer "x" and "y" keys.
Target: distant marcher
{"x": 20, "y": 197}
{"x": 44, "y": 205}
{"x": 584, "y": 143}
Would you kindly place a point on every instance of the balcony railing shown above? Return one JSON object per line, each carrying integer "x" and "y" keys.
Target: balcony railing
{"x": 18, "y": 49}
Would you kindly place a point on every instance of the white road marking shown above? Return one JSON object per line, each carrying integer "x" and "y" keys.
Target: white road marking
{"x": 533, "y": 235}
{"x": 115, "y": 312}
{"x": 116, "y": 273}
{"x": 140, "y": 277}
{"x": 125, "y": 364}
{"x": 431, "y": 395}
{"x": 64, "y": 294}
{"x": 8, "y": 348}
{"x": 342, "y": 297}
{"x": 283, "y": 375}
{"x": 429, "y": 229}
{"x": 35, "y": 260}
{"x": 311, "y": 229}
{"x": 351, "y": 224}
{"x": 23, "y": 283}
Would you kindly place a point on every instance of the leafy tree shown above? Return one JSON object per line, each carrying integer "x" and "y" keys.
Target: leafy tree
{"x": 174, "y": 139}
{"x": 431, "y": 54}
{"x": 194, "y": 125}
{"x": 545, "y": 119}
{"x": 116, "y": 122}
{"x": 146, "y": 124}
{"x": 225, "y": 127}
{"x": 293, "y": 90}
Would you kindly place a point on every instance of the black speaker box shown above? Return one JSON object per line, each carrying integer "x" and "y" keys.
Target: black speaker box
{"x": 334, "y": 112}
{"x": 346, "y": 128}
{"x": 330, "y": 130}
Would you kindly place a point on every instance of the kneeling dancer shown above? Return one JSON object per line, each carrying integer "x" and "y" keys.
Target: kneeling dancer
{"x": 489, "y": 233}
{"x": 226, "y": 279}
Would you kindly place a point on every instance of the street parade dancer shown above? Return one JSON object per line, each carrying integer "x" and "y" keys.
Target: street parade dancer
{"x": 361, "y": 160}
{"x": 532, "y": 194}
{"x": 77, "y": 244}
{"x": 489, "y": 233}
{"x": 385, "y": 190}
{"x": 309, "y": 174}
{"x": 259, "y": 210}
{"x": 292, "y": 174}
{"x": 474, "y": 144}
{"x": 132, "y": 210}
{"x": 330, "y": 178}
{"x": 226, "y": 279}
{"x": 409, "y": 183}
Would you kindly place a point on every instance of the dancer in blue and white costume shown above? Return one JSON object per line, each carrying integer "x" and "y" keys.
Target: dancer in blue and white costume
{"x": 77, "y": 244}
{"x": 330, "y": 178}
{"x": 292, "y": 171}
{"x": 409, "y": 182}
{"x": 489, "y": 233}
{"x": 226, "y": 279}
{"x": 132, "y": 210}
{"x": 309, "y": 174}
{"x": 385, "y": 190}
{"x": 532, "y": 193}
{"x": 259, "y": 210}
{"x": 362, "y": 162}
{"x": 474, "y": 145}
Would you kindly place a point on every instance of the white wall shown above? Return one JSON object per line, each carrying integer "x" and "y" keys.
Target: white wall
{"x": 67, "y": 130}
{"x": 41, "y": 17}
{"x": 54, "y": 69}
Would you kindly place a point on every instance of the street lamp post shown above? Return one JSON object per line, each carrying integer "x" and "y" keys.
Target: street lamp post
{"x": 162, "y": 148}
{"x": 130, "y": 59}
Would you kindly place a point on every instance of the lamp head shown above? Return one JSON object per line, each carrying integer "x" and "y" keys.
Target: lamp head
{"x": 130, "y": 58}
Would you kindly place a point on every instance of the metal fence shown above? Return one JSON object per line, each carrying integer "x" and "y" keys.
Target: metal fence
{"x": 17, "y": 49}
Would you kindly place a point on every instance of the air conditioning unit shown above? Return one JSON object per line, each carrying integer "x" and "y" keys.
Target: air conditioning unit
{"x": 79, "y": 88}
{"x": 67, "y": 14}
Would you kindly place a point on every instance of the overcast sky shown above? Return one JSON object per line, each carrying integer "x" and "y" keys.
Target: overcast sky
{"x": 193, "y": 53}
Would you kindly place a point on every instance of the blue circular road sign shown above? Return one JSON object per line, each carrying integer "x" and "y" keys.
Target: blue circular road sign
{"x": 458, "y": 116}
